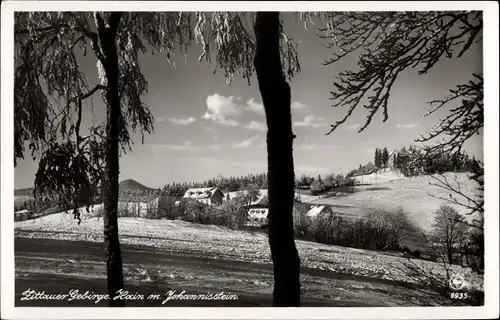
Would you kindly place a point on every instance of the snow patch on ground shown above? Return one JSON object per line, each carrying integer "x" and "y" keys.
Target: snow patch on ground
{"x": 419, "y": 196}
{"x": 219, "y": 242}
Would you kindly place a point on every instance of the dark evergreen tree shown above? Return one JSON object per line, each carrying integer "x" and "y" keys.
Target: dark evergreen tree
{"x": 385, "y": 157}
{"x": 378, "y": 160}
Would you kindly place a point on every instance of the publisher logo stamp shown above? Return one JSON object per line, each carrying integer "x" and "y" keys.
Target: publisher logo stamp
{"x": 457, "y": 282}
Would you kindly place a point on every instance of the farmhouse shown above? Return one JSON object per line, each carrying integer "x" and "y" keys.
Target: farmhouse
{"x": 257, "y": 216}
{"x": 22, "y": 215}
{"x": 205, "y": 195}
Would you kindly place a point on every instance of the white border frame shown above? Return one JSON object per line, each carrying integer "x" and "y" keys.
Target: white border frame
{"x": 490, "y": 63}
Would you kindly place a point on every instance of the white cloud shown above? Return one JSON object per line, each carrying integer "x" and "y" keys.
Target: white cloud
{"x": 407, "y": 126}
{"x": 214, "y": 147}
{"x": 256, "y": 125}
{"x": 183, "y": 122}
{"x": 353, "y": 126}
{"x": 186, "y": 146}
{"x": 311, "y": 121}
{"x": 300, "y": 107}
{"x": 305, "y": 147}
{"x": 210, "y": 129}
{"x": 248, "y": 142}
{"x": 256, "y": 107}
{"x": 158, "y": 119}
{"x": 222, "y": 109}
{"x": 225, "y": 110}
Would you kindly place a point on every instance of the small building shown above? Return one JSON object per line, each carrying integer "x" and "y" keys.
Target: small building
{"x": 209, "y": 196}
{"x": 257, "y": 216}
{"x": 22, "y": 215}
{"x": 315, "y": 211}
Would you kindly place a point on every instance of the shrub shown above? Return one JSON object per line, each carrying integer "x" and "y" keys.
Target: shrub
{"x": 234, "y": 209}
{"x": 167, "y": 208}
{"x": 218, "y": 216}
{"x": 379, "y": 230}
{"x": 127, "y": 209}
{"x": 449, "y": 230}
{"x": 472, "y": 249}
{"x": 152, "y": 209}
{"x": 301, "y": 222}
{"x": 191, "y": 210}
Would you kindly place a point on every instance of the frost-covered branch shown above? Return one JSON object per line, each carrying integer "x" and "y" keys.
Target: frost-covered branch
{"x": 388, "y": 44}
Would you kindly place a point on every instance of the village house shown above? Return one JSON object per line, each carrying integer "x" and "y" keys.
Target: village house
{"x": 257, "y": 216}
{"x": 403, "y": 157}
{"x": 209, "y": 196}
{"x": 316, "y": 211}
{"x": 22, "y": 215}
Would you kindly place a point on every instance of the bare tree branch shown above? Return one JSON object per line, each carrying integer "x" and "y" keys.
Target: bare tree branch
{"x": 389, "y": 43}
{"x": 462, "y": 122}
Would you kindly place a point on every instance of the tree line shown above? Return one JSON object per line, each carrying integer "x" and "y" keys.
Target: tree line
{"x": 413, "y": 160}
{"x": 381, "y": 158}
{"x": 229, "y": 184}
{"x": 416, "y": 161}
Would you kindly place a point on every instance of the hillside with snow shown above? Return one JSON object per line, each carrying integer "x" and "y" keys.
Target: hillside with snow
{"x": 381, "y": 176}
{"x": 419, "y": 196}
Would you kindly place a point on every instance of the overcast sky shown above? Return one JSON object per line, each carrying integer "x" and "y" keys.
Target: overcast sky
{"x": 205, "y": 128}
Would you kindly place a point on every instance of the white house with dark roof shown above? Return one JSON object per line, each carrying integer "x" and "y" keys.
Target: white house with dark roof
{"x": 257, "y": 216}
{"x": 207, "y": 196}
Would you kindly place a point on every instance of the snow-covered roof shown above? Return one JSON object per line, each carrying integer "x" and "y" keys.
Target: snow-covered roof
{"x": 314, "y": 211}
{"x": 24, "y": 211}
{"x": 200, "y": 193}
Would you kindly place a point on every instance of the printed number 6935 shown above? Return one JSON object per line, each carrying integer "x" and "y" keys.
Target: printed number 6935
{"x": 459, "y": 295}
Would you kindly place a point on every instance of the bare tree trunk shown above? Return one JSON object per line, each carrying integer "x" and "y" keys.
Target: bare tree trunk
{"x": 276, "y": 97}
{"x": 107, "y": 37}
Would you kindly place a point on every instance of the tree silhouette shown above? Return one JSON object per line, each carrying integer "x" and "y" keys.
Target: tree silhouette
{"x": 378, "y": 158}
{"x": 449, "y": 230}
{"x": 276, "y": 97}
{"x": 385, "y": 157}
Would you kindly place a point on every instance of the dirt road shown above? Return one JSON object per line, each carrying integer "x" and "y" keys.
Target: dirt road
{"x": 58, "y": 266}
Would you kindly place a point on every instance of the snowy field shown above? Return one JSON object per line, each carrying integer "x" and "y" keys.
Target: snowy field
{"x": 379, "y": 177}
{"x": 416, "y": 195}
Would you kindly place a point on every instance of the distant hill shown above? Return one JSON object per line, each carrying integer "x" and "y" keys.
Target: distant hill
{"x": 133, "y": 191}
{"x": 128, "y": 186}
{"x": 132, "y": 185}
{"x": 25, "y": 192}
